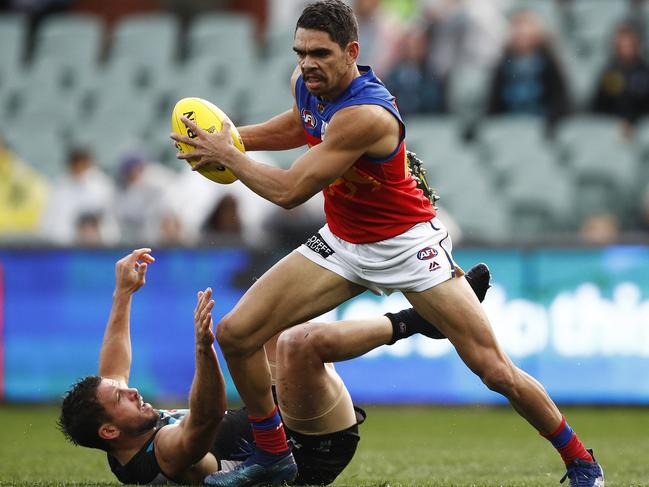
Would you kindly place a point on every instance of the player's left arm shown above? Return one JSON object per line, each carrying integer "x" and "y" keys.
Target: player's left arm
{"x": 115, "y": 354}
{"x": 182, "y": 445}
{"x": 353, "y": 132}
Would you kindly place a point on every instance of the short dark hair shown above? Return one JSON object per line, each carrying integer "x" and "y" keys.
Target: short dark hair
{"x": 82, "y": 414}
{"x": 77, "y": 154}
{"x": 333, "y": 17}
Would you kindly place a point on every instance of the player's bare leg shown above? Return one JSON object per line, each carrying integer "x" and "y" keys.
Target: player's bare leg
{"x": 293, "y": 291}
{"x": 454, "y": 309}
{"x": 304, "y": 385}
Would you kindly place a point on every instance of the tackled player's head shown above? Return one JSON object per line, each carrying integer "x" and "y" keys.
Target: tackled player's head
{"x": 326, "y": 42}
{"x": 99, "y": 412}
{"x": 82, "y": 414}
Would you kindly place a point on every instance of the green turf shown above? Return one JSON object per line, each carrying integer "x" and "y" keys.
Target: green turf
{"x": 409, "y": 446}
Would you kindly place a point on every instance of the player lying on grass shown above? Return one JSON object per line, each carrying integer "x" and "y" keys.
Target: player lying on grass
{"x": 147, "y": 445}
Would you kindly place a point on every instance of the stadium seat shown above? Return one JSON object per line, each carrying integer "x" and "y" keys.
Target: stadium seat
{"x": 109, "y": 139}
{"x": 44, "y": 150}
{"x": 575, "y": 130}
{"x": 279, "y": 40}
{"x": 467, "y": 93}
{"x": 498, "y": 133}
{"x": 70, "y": 39}
{"x": 147, "y": 39}
{"x": 432, "y": 135}
{"x": 48, "y": 86}
{"x": 468, "y": 195}
{"x": 547, "y": 10}
{"x": 275, "y": 97}
{"x": 229, "y": 37}
{"x": 593, "y": 22}
{"x": 615, "y": 163}
{"x": 582, "y": 73}
{"x": 217, "y": 81}
{"x": 539, "y": 194}
{"x": 13, "y": 34}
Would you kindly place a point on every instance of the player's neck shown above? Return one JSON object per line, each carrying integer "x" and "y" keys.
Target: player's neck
{"x": 126, "y": 448}
{"x": 345, "y": 81}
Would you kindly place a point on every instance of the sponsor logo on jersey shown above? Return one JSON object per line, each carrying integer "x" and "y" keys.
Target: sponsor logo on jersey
{"x": 426, "y": 253}
{"x": 319, "y": 246}
{"x": 308, "y": 119}
{"x": 434, "y": 266}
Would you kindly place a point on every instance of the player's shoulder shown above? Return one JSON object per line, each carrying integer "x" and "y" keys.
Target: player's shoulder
{"x": 364, "y": 117}
{"x": 294, "y": 79}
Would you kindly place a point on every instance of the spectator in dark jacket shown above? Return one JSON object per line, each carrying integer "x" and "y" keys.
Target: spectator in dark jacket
{"x": 412, "y": 81}
{"x": 623, "y": 87}
{"x": 528, "y": 78}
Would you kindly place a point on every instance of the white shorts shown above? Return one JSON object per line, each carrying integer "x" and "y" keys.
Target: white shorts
{"x": 414, "y": 261}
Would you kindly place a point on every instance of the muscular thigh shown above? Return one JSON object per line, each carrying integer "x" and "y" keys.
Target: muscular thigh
{"x": 293, "y": 291}
{"x": 456, "y": 311}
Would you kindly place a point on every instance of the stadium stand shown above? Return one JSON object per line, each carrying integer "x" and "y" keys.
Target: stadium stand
{"x": 111, "y": 87}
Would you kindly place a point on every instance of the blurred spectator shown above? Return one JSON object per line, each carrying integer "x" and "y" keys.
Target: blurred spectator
{"x": 88, "y": 230}
{"x": 528, "y": 78}
{"x": 224, "y": 219}
{"x": 600, "y": 229}
{"x": 171, "y": 231}
{"x": 644, "y": 210}
{"x": 623, "y": 86}
{"x": 141, "y": 200}
{"x": 416, "y": 87}
{"x": 85, "y": 189}
{"x": 23, "y": 194}
{"x": 287, "y": 229}
{"x": 465, "y": 33}
{"x": 378, "y": 35}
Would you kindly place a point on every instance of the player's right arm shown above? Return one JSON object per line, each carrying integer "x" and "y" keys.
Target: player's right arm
{"x": 281, "y": 132}
{"x": 181, "y": 449}
{"x": 115, "y": 354}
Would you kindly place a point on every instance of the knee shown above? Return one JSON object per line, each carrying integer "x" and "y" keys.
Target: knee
{"x": 232, "y": 337}
{"x": 501, "y": 378}
{"x": 302, "y": 345}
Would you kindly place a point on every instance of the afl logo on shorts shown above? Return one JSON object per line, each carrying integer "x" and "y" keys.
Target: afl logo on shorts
{"x": 308, "y": 118}
{"x": 426, "y": 253}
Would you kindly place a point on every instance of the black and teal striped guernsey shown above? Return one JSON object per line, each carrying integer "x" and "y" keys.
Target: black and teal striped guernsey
{"x": 233, "y": 442}
{"x": 320, "y": 458}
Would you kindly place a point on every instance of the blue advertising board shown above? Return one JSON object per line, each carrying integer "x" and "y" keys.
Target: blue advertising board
{"x": 576, "y": 319}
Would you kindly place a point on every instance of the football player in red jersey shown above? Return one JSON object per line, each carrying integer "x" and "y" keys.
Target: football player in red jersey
{"x": 381, "y": 234}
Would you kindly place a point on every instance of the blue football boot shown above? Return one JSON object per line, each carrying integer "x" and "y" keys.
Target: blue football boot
{"x": 584, "y": 474}
{"x": 251, "y": 473}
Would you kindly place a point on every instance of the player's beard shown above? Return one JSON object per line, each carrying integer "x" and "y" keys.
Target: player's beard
{"x": 143, "y": 424}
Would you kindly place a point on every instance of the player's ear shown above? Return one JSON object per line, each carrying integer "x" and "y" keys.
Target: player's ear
{"x": 353, "y": 50}
{"x": 108, "y": 431}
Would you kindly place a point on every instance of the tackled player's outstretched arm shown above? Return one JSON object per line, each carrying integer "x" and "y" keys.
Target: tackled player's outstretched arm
{"x": 181, "y": 446}
{"x": 115, "y": 354}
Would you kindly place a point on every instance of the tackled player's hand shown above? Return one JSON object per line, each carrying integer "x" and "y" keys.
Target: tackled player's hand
{"x": 130, "y": 271}
{"x": 203, "y": 318}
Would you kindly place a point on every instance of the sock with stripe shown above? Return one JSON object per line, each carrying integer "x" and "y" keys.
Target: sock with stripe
{"x": 270, "y": 438}
{"x": 565, "y": 440}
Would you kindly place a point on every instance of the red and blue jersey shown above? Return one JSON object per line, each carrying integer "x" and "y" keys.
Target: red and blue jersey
{"x": 375, "y": 199}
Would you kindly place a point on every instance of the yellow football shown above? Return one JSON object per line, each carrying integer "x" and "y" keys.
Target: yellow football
{"x": 210, "y": 118}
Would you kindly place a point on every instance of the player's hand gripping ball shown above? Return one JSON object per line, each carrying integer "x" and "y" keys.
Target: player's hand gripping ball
{"x": 210, "y": 118}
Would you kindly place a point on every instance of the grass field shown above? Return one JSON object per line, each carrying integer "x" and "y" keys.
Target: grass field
{"x": 400, "y": 446}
